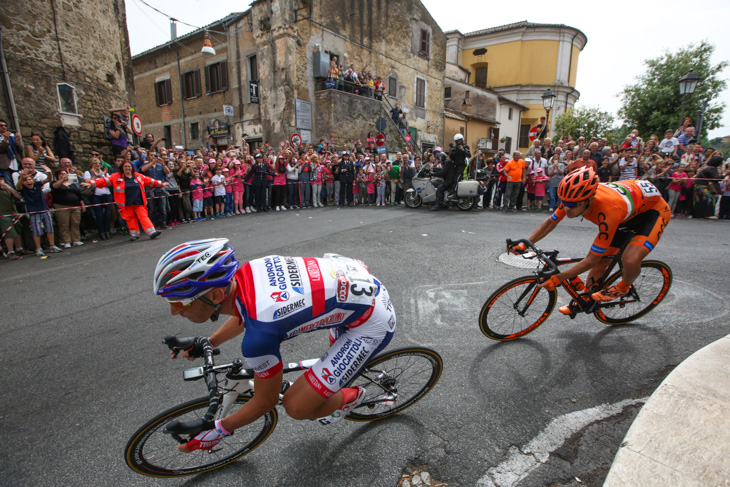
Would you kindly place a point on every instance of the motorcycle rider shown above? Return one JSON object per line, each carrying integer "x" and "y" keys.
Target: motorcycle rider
{"x": 447, "y": 171}
{"x": 460, "y": 152}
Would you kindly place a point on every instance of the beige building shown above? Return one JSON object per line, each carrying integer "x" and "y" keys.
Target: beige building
{"x": 520, "y": 62}
{"x": 276, "y": 56}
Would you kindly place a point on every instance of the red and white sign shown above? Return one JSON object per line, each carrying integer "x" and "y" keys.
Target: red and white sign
{"x": 137, "y": 124}
{"x": 533, "y": 133}
{"x": 380, "y": 140}
{"x": 296, "y": 140}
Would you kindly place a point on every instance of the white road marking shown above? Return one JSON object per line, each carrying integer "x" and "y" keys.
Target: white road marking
{"x": 522, "y": 461}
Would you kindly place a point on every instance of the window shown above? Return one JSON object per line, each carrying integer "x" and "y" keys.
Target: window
{"x": 480, "y": 79}
{"x": 467, "y": 94}
{"x": 216, "y": 77}
{"x": 253, "y": 68}
{"x": 508, "y": 145}
{"x": 392, "y": 86}
{"x": 425, "y": 44}
{"x": 163, "y": 93}
{"x": 462, "y": 129}
{"x": 194, "y": 131}
{"x": 509, "y": 116}
{"x": 66, "y": 98}
{"x": 447, "y": 93}
{"x": 420, "y": 93}
{"x": 191, "y": 84}
{"x": 524, "y": 140}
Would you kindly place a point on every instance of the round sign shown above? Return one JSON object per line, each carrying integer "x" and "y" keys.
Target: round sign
{"x": 380, "y": 140}
{"x": 533, "y": 133}
{"x": 296, "y": 140}
{"x": 137, "y": 124}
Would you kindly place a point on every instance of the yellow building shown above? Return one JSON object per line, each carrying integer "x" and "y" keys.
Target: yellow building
{"x": 520, "y": 62}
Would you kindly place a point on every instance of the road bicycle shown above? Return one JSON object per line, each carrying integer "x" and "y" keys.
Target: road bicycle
{"x": 520, "y": 306}
{"x": 394, "y": 381}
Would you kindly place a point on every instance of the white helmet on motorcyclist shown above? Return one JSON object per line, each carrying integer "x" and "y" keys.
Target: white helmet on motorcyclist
{"x": 458, "y": 137}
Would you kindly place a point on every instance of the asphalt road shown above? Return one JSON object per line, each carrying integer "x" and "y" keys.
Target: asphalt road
{"x": 84, "y": 367}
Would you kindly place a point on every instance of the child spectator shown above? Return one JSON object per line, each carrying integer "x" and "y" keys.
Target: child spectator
{"x": 684, "y": 205}
{"x": 208, "y": 202}
{"x": 196, "y": 186}
{"x": 679, "y": 177}
{"x": 238, "y": 188}
{"x": 540, "y": 181}
{"x": 604, "y": 172}
{"x": 370, "y": 183}
{"x": 530, "y": 190}
{"x": 40, "y": 214}
{"x": 362, "y": 187}
{"x": 379, "y": 186}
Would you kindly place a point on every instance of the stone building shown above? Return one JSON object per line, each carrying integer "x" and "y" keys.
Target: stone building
{"x": 520, "y": 62}
{"x": 68, "y": 64}
{"x": 278, "y": 52}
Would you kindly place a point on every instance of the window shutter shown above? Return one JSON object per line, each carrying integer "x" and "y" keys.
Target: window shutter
{"x": 224, "y": 75}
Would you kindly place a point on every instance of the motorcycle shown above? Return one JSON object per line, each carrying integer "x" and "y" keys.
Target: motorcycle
{"x": 424, "y": 189}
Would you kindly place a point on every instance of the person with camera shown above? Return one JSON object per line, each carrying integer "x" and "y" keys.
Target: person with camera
{"x": 119, "y": 133}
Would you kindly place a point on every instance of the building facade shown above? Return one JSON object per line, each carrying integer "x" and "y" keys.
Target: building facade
{"x": 67, "y": 66}
{"x": 519, "y": 62}
{"x": 277, "y": 54}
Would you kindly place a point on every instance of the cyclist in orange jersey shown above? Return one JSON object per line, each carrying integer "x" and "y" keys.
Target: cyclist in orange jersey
{"x": 617, "y": 208}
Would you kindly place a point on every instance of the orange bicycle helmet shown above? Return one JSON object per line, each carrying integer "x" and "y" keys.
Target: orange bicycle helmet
{"x": 578, "y": 185}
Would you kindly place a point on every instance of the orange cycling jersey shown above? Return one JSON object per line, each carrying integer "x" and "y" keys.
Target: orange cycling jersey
{"x": 633, "y": 204}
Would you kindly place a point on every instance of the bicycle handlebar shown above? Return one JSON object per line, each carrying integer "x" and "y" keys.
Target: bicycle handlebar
{"x": 192, "y": 428}
{"x": 543, "y": 257}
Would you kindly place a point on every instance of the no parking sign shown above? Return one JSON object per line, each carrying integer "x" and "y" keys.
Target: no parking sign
{"x": 137, "y": 124}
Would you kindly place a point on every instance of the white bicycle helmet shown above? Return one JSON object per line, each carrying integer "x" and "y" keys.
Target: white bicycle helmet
{"x": 191, "y": 269}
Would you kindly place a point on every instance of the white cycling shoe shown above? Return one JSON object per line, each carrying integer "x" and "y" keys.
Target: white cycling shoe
{"x": 338, "y": 414}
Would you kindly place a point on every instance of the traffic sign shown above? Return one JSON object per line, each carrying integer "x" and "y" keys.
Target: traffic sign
{"x": 137, "y": 124}
{"x": 296, "y": 140}
{"x": 228, "y": 110}
{"x": 533, "y": 133}
{"x": 380, "y": 140}
{"x": 380, "y": 149}
{"x": 380, "y": 124}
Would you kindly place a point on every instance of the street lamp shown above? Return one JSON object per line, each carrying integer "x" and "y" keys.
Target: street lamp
{"x": 208, "y": 45}
{"x": 548, "y": 98}
{"x": 687, "y": 85}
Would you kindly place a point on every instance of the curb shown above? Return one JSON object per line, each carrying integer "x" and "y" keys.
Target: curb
{"x": 680, "y": 436}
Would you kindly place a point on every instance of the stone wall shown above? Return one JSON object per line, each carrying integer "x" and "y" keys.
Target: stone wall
{"x": 334, "y": 106}
{"x": 81, "y": 43}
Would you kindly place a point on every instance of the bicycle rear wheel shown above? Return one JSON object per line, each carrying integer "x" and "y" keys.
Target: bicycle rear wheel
{"x": 647, "y": 291}
{"x": 154, "y": 453}
{"x": 395, "y": 381}
{"x": 516, "y": 309}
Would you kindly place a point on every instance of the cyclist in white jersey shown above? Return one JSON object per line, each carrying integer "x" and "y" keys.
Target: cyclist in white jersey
{"x": 274, "y": 299}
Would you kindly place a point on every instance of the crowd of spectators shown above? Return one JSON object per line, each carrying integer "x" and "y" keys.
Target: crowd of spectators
{"x": 694, "y": 180}
{"x": 153, "y": 188}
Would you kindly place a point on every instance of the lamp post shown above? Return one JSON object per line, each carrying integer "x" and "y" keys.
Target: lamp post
{"x": 548, "y": 98}
{"x": 687, "y": 85}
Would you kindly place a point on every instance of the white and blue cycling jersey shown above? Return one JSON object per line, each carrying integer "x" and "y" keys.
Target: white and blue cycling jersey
{"x": 280, "y": 297}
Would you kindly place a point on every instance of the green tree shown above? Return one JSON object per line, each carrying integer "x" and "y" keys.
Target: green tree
{"x": 653, "y": 104}
{"x": 584, "y": 122}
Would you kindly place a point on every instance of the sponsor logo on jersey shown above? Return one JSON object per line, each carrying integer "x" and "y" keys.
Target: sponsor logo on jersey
{"x": 597, "y": 250}
{"x": 343, "y": 287}
{"x": 295, "y": 277}
{"x": 333, "y": 318}
{"x": 280, "y": 296}
{"x": 348, "y": 359}
{"x": 275, "y": 272}
{"x": 289, "y": 308}
{"x": 327, "y": 375}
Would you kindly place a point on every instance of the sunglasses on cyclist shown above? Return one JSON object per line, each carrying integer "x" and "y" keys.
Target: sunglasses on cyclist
{"x": 181, "y": 304}
{"x": 573, "y": 204}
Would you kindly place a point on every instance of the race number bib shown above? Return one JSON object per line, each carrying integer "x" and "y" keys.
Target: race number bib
{"x": 648, "y": 189}
{"x": 354, "y": 282}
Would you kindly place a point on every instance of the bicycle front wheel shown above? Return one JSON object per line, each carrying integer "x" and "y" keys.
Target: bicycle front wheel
{"x": 154, "y": 453}
{"x": 395, "y": 381}
{"x": 516, "y": 309}
{"x": 647, "y": 291}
